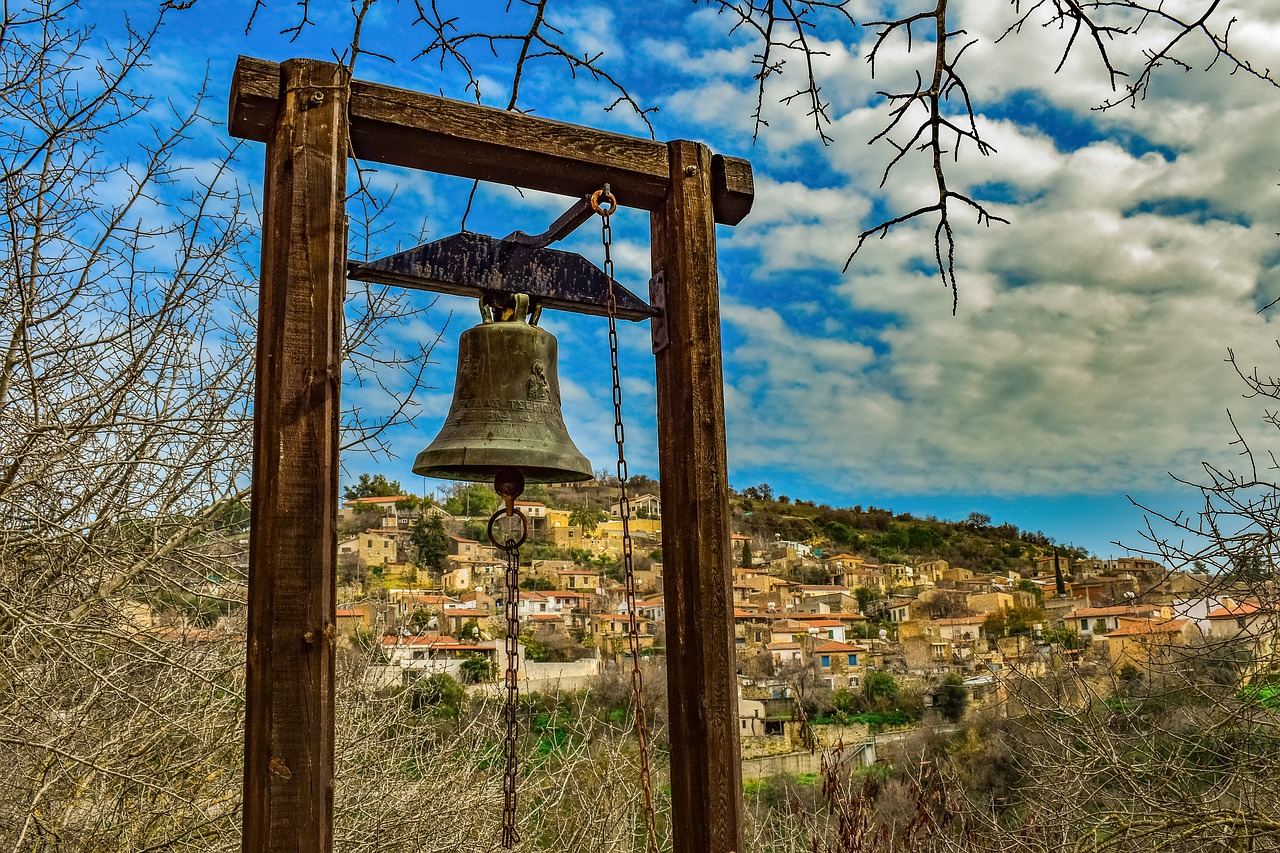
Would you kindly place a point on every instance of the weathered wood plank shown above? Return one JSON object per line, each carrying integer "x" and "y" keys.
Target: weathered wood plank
{"x": 288, "y": 772}
{"x": 706, "y": 776}
{"x": 405, "y": 128}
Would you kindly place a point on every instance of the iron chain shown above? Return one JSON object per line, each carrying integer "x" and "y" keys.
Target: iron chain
{"x": 624, "y": 512}
{"x": 511, "y": 761}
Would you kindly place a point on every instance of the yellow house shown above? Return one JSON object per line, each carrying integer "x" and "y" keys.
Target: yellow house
{"x": 989, "y": 602}
{"x": 609, "y": 533}
{"x": 1149, "y": 644}
{"x": 559, "y": 530}
{"x": 372, "y": 549}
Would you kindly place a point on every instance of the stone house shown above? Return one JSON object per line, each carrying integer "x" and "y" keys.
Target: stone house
{"x": 840, "y": 664}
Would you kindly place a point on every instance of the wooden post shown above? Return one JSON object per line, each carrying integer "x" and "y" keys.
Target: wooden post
{"x": 288, "y": 775}
{"x": 702, "y": 695}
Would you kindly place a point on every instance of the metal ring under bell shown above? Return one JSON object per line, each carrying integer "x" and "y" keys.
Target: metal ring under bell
{"x": 524, "y": 531}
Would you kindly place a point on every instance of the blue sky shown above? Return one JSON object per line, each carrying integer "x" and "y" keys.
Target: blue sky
{"x": 1085, "y": 362}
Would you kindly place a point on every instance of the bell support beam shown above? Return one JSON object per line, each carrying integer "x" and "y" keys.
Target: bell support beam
{"x": 702, "y": 687}
{"x": 301, "y": 109}
{"x": 293, "y": 542}
{"x": 435, "y": 134}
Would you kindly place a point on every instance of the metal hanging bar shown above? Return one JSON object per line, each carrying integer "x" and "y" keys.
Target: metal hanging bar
{"x": 564, "y": 225}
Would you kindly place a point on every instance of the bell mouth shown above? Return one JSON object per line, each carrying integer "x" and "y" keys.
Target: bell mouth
{"x": 485, "y": 473}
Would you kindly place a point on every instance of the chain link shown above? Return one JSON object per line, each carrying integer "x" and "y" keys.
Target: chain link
{"x": 511, "y": 761}
{"x": 624, "y": 511}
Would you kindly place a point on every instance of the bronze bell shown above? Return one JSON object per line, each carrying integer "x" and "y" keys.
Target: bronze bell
{"x": 506, "y": 407}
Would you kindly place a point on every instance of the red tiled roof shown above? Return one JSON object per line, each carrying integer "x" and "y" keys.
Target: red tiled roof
{"x": 1117, "y": 610}
{"x": 1231, "y": 611}
{"x": 1139, "y": 627}
{"x": 961, "y": 620}
{"x": 424, "y": 598}
{"x": 420, "y": 640}
{"x": 837, "y": 646}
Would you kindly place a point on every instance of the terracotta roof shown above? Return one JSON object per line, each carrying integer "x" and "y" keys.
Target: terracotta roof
{"x": 1116, "y": 610}
{"x": 420, "y": 640}
{"x": 425, "y": 598}
{"x": 1139, "y": 627}
{"x": 1231, "y": 611}
{"x": 784, "y": 647}
{"x": 837, "y": 646}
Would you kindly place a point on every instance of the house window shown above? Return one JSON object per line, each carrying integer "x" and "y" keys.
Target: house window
{"x": 853, "y": 660}
{"x": 826, "y": 660}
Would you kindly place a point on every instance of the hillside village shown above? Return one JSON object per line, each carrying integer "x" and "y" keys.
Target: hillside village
{"x": 814, "y": 618}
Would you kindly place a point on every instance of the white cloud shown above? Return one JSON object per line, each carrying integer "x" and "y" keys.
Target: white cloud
{"x": 1087, "y": 354}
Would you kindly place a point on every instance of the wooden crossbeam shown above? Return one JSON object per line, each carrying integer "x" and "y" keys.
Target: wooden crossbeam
{"x": 435, "y": 134}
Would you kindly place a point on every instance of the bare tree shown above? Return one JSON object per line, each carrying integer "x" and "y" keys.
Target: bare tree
{"x": 126, "y": 327}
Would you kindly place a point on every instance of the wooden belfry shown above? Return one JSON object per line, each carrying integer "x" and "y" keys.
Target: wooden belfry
{"x": 313, "y": 117}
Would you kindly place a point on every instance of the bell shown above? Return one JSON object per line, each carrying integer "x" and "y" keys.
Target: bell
{"x": 505, "y": 417}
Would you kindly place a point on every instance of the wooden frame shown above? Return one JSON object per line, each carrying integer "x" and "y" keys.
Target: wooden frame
{"x": 312, "y": 117}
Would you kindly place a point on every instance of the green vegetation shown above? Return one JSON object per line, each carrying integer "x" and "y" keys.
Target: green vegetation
{"x": 1013, "y": 622}
{"x": 476, "y": 669}
{"x": 430, "y": 543}
{"x": 880, "y": 535}
{"x": 952, "y": 698}
{"x": 372, "y": 486}
{"x": 588, "y": 518}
